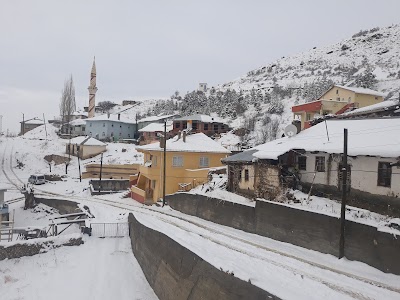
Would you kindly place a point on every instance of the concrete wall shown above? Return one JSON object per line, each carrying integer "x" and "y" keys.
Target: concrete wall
{"x": 298, "y": 227}
{"x": 115, "y": 185}
{"x": 63, "y": 206}
{"x": 176, "y": 273}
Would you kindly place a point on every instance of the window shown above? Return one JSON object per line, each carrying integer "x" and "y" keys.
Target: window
{"x": 83, "y": 128}
{"x": 104, "y": 134}
{"x": 337, "y": 92}
{"x": 104, "y": 124}
{"x": 178, "y": 125}
{"x": 215, "y": 127}
{"x": 302, "y": 163}
{"x": 153, "y": 184}
{"x": 177, "y": 161}
{"x": 376, "y": 98}
{"x": 240, "y": 176}
{"x": 205, "y": 126}
{"x": 184, "y": 125}
{"x": 308, "y": 117}
{"x": 194, "y": 126}
{"x": 112, "y": 125}
{"x": 120, "y": 126}
{"x": 246, "y": 175}
{"x": 90, "y": 133}
{"x": 204, "y": 162}
{"x": 320, "y": 163}
{"x": 384, "y": 174}
{"x": 153, "y": 160}
{"x": 222, "y": 127}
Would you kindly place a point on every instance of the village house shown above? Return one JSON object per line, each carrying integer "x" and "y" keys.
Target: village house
{"x": 85, "y": 147}
{"x": 30, "y": 124}
{"x": 200, "y": 123}
{"x": 111, "y": 127}
{"x": 189, "y": 159}
{"x": 155, "y": 119}
{"x": 150, "y": 133}
{"x": 337, "y": 100}
{"x": 314, "y": 157}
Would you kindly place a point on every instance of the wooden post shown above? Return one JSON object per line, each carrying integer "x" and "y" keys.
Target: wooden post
{"x": 344, "y": 192}
{"x": 164, "y": 159}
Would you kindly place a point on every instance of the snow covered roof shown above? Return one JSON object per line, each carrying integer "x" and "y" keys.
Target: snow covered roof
{"x": 245, "y": 156}
{"x": 80, "y": 113}
{"x": 381, "y": 106}
{"x": 156, "y": 127}
{"x": 84, "y": 140}
{"x": 155, "y": 118}
{"x": 201, "y": 118}
{"x": 112, "y": 117}
{"x": 34, "y": 121}
{"x": 361, "y": 90}
{"x": 374, "y": 137}
{"x": 78, "y": 122}
{"x": 198, "y": 142}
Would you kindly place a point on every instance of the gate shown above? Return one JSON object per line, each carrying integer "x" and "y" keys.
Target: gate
{"x": 103, "y": 230}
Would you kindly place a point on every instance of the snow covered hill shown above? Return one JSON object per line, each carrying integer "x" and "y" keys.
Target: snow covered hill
{"x": 377, "y": 50}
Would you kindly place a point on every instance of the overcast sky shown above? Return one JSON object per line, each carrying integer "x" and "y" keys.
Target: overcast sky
{"x": 152, "y": 48}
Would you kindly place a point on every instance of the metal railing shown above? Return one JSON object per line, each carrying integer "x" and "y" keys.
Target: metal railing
{"x": 104, "y": 230}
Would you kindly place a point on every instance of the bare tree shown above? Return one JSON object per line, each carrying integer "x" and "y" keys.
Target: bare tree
{"x": 106, "y": 106}
{"x": 67, "y": 102}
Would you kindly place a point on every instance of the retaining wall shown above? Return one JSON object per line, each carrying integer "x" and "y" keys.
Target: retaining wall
{"x": 176, "y": 273}
{"x": 298, "y": 227}
{"x": 63, "y": 206}
{"x": 28, "y": 248}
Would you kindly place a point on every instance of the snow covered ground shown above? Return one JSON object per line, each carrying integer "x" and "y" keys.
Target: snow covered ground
{"x": 106, "y": 268}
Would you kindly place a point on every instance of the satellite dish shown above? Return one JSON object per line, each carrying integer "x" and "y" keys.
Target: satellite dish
{"x": 290, "y": 130}
{"x": 148, "y": 163}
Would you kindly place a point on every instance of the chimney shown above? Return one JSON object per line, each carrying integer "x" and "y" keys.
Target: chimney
{"x": 184, "y": 136}
{"x": 119, "y": 117}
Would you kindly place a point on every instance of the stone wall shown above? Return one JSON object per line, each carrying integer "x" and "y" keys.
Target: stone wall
{"x": 63, "y": 206}
{"x": 306, "y": 229}
{"x": 30, "y": 249}
{"x": 176, "y": 273}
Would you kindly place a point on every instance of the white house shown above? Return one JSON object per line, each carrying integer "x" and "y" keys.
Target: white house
{"x": 85, "y": 147}
{"x": 315, "y": 155}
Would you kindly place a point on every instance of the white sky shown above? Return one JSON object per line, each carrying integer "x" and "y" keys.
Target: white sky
{"x": 152, "y": 48}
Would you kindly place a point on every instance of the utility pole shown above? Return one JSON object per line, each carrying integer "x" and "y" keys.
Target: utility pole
{"x": 101, "y": 170}
{"x": 79, "y": 162}
{"x": 344, "y": 192}
{"x": 45, "y": 128}
{"x": 23, "y": 124}
{"x": 164, "y": 159}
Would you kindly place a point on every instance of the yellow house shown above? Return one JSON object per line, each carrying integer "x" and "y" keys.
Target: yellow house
{"x": 189, "y": 159}
{"x": 336, "y": 100}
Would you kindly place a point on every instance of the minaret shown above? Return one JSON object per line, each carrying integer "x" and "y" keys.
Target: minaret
{"x": 92, "y": 90}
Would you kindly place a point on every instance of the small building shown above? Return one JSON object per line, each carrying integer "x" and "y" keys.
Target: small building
{"x": 30, "y": 124}
{"x": 151, "y": 133}
{"x": 154, "y": 119}
{"x": 189, "y": 159}
{"x": 111, "y": 127}
{"x": 200, "y": 123}
{"x": 308, "y": 158}
{"x": 85, "y": 147}
{"x": 202, "y": 87}
{"x": 337, "y": 100}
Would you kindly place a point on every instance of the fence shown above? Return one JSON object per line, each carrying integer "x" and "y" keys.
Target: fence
{"x": 103, "y": 230}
